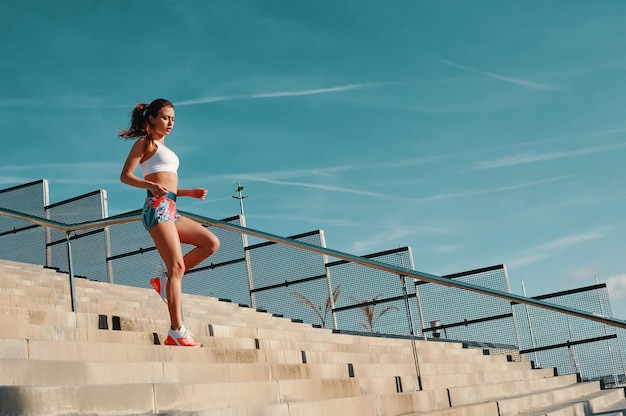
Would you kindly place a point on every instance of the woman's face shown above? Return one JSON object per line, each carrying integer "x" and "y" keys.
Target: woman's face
{"x": 163, "y": 123}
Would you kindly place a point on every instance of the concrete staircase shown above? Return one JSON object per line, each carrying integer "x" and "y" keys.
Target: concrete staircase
{"x": 107, "y": 359}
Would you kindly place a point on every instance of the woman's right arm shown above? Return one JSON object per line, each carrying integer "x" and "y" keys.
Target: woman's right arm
{"x": 132, "y": 161}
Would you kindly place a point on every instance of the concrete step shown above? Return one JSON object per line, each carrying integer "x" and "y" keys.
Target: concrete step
{"x": 359, "y": 405}
{"x": 497, "y": 391}
{"x": 373, "y": 405}
{"x": 476, "y": 409}
{"x": 134, "y": 398}
{"x": 78, "y": 400}
{"x": 482, "y": 378}
{"x": 59, "y": 373}
{"x": 536, "y": 401}
{"x": 609, "y": 402}
{"x": 444, "y": 368}
{"x": 604, "y": 402}
{"x": 111, "y": 352}
{"x": 304, "y": 397}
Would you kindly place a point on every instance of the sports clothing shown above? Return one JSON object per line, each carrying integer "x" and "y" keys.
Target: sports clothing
{"x": 157, "y": 210}
{"x": 181, "y": 338}
{"x": 163, "y": 160}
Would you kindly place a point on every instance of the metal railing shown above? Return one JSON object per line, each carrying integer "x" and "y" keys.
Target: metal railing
{"x": 400, "y": 271}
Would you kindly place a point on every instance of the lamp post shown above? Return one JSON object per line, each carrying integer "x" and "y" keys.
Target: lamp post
{"x": 240, "y": 197}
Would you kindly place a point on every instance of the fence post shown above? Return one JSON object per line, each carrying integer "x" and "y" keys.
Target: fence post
{"x": 411, "y": 330}
{"x": 71, "y": 271}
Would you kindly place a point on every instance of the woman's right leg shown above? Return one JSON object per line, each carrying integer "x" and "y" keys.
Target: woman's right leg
{"x": 167, "y": 241}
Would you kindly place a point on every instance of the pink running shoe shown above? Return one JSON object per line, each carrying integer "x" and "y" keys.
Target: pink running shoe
{"x": 159, "y": 284}
{"x": 184, "y": 338}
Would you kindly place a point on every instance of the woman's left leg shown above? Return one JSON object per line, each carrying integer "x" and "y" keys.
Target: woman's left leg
{"x": 205, "y": 242}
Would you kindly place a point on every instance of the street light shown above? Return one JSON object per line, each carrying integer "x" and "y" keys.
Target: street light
{"x": 240, "y": 197}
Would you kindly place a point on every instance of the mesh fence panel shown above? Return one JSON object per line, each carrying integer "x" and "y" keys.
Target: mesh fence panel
{"x": 284, "y": 275}
{"x": 572, "y": 344}
{"x": 20, "y": 240}
{"x": 30, "y": 198}
{"x": 223, "y": 275}
{"x": 373, "y": 300}
{"x": 305, "y": 301}
{"x": 88, "y": 247}
{"x": 469, "y": 316}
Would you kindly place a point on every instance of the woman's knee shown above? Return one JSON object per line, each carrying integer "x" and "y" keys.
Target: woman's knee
{"x": 209, "y": 243}
{"x": 176, "y": 269}
{"x": 213, "y": 244}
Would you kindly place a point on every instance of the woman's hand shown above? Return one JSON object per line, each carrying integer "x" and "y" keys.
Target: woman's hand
{"x": 157, "y": 190}
{"x": 199, "y": 193}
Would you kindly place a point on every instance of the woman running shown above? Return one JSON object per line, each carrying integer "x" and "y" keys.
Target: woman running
{"x": 150, "y": 124}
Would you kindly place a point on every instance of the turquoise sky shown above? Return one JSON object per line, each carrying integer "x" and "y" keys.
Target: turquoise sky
{"x": 478, "y": 133}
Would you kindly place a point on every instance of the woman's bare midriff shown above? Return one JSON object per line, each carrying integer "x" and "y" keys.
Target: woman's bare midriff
{"x": 168, "y": 180}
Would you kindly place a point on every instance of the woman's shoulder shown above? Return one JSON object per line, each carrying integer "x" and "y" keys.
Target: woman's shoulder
{"x": 145, "y": 145}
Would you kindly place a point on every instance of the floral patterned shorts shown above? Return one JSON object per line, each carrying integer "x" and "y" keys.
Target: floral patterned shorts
{"x": 158, "y": 210}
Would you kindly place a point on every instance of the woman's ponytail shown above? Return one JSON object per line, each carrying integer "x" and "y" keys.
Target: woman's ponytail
{"x": 137, "y": 123}
{"x": 139, "y": 126}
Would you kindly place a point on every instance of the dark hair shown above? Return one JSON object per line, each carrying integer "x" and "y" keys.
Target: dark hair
{"x": 139, "y": 125}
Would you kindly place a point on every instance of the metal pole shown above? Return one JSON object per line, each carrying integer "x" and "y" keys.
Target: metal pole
{"x": 411, "y": 331}
{"x": 530, "y": 329}
{"x": 409, "y": 317}
{"x": 240, "y": 197}
{"x": 244, "y": 240}
{"x": 616, "y": 381}
{"x": 71, "y": 271}
{"x": 107, "y": 236}
{"x": 515, "y": 327}
{"x": 572, "y": 351}
{"x": 329, "y": 284}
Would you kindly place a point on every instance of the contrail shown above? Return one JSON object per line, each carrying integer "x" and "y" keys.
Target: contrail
{"x": 522, "y": 82}
{"x": 294, "y": 93}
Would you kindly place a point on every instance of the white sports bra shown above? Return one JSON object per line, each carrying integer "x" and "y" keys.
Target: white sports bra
{"x": 163, "y": 160}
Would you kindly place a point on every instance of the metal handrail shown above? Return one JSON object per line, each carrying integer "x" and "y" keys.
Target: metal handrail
{"x": 402, "y": 271}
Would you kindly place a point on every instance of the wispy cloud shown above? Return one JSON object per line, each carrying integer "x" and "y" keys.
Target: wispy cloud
{"x": 278, "y": 94}
{"x": 569, "y": 240}
{"x": 63, "y": 173}
{"x": 524, "y": 158}
{"x": 282, "y": 174}
{"x": 616, "y": 286}
{"x": 542, "y": 251}
{"x": 582, "y": 274}
{"x": 525, "y": 260}
{"x": 66, "y": 101}
{"x": 9, "y": 180}
{"x": 490, "y": 190}
{"x": 81, "y": 166}
{"x": 517, "y": 81}
{"x": 396, "y": 234}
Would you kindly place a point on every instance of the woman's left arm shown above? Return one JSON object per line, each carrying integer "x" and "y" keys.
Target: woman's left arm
{"x": 199, "y": 193}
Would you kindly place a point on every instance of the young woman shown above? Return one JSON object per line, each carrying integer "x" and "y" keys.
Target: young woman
{"x": 149, "y": 126}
